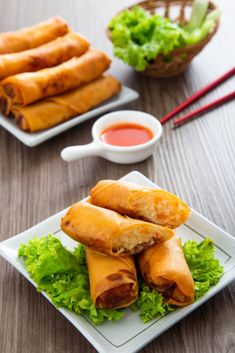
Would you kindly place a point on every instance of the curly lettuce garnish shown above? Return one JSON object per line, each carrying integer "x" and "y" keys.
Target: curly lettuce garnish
{"x": 63, "y": 275}
{"x": 150, "y": 303}
{"x": 205, "y": 268}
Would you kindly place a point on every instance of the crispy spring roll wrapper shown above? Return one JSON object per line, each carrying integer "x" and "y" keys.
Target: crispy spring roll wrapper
{"x": 109, "y": 232}
{"x": 58, "y": 109}
{"x": 32, "y": 37}
{"x": 29, "y": 87}
{"x": 164, "y": 268}
{"x": 153, "y": 205}
{"x": 5, "y": 103}
{"x": 47, "y": 55}
{"x": 113, "y": 280}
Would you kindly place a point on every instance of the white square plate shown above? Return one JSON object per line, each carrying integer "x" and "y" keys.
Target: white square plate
{"x": 130, "y": 334}
{"x": 35, "y": 138}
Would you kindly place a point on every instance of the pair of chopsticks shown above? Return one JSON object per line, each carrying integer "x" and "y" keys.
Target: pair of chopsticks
{"x": 196, "y": 96}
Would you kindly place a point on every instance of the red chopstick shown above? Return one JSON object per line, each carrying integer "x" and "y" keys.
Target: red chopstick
{"x": 205, "y": 108}
{"x": 198, "y": 94}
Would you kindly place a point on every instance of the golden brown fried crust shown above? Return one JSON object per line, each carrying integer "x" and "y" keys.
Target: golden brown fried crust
{"x": 152, "y": 205}
{"x": 113, "y": 281}
{"x": 115, "y": 297}
{"x": 47, "y": 55}
{"x": 55, "y": 110}
{"x": 26, "y": 88}
{"x": 164, "y": 267}
{"x": 109, "y": 232}
{"x": 32, "y": 37}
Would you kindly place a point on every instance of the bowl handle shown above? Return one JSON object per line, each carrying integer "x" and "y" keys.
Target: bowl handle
{"x": 72, "y": 153}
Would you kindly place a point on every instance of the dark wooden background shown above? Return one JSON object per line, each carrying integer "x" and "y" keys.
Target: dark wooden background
{"x": 196, "y": 162}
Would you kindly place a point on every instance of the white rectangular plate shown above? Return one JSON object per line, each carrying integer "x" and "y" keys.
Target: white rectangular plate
{"x": 130, "y": 334}
{"x": 35, "y": 138}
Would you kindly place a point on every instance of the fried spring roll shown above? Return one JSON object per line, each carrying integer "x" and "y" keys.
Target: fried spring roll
{"x": 109, "y": 232}
{"x": 47, "y": 55}
{"x": 164, "y": 268}
{"x": 32, "y": 37}
{"x": 113, "y": 280}
{"x": 154, "y": 205}
{"x": 29, "y": 87}
{"x": 58, "y": 109}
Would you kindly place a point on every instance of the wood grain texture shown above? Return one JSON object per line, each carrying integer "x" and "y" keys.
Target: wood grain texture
{"x": 195, "y": 161}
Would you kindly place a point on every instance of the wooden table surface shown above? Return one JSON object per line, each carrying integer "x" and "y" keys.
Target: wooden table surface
{"x": 196, "y": 162}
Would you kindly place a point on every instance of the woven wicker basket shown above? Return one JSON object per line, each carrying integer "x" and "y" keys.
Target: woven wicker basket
{"x": 180, "y": 58}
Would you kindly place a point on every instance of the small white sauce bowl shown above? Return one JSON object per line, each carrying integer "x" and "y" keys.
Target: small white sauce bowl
{"x": 117, "y": 154}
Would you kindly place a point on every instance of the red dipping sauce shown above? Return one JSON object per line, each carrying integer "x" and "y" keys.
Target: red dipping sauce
{"x": 126, "y": 134}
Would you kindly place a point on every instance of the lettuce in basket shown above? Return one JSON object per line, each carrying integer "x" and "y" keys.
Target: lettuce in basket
{"x": 138, "y": 37}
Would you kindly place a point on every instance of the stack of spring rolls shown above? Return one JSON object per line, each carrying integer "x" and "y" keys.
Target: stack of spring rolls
{"x": 49, "y": 74}
{"x": 120, "y": 220}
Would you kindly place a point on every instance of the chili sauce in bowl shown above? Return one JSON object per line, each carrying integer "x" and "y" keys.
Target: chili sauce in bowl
{"x": 126, "y": 134}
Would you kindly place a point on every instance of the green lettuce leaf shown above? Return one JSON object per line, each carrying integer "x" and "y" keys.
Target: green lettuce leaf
{"x": 205, "y": 268}
{"x": 150, "y": 303}
{"x": 139, "y": 37}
